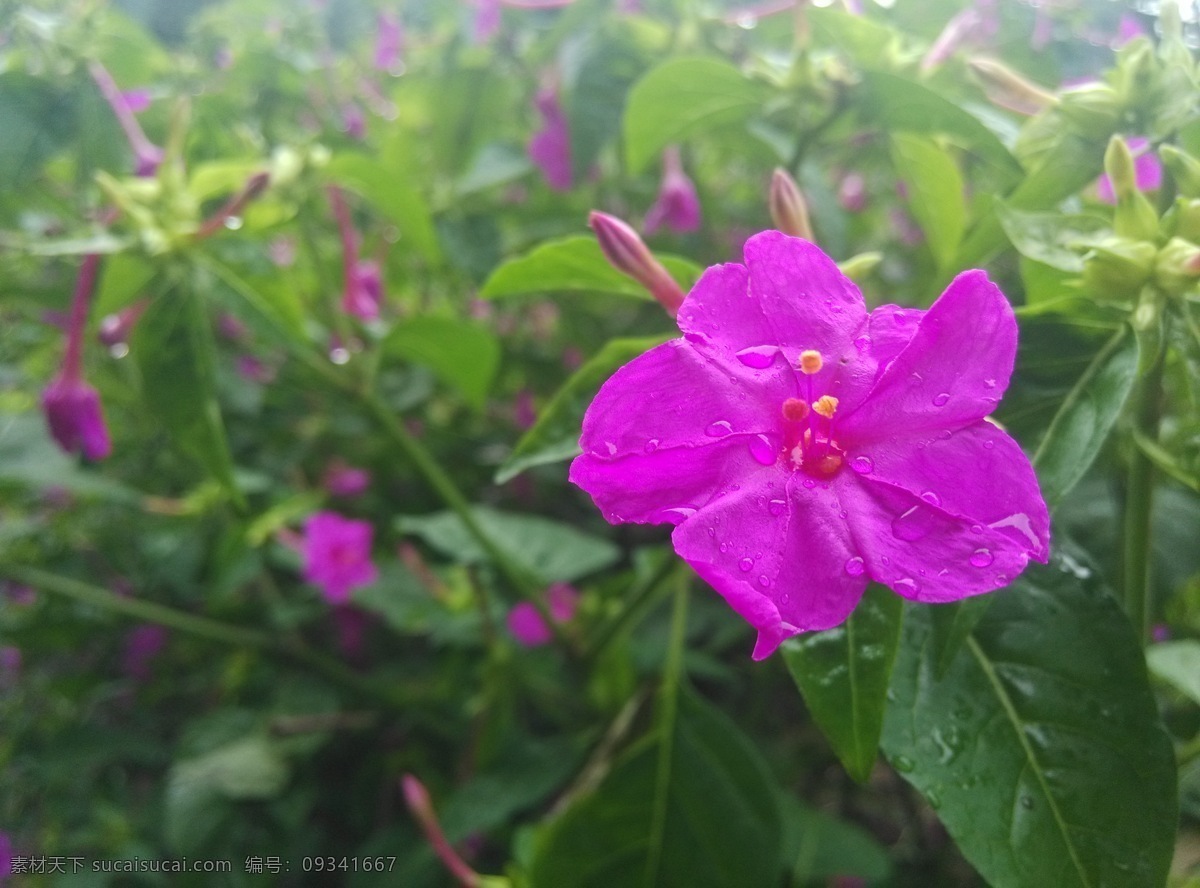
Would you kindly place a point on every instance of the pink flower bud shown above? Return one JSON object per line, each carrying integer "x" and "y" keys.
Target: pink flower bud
{"x": 627, "y": 253}
{"x": 416, "y": 797}
{"x": 789, "y": 212}
{"x": 677, "y": 205}
{"x": 76, "y": 420}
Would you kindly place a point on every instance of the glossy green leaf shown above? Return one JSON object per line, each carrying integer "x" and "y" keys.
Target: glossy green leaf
{"x": 900, "y": 105}
{"x": 174, "y": 349}
{"x": 1178, "y": 664}
{"x": 549, "y": 550}
{"x": 1082, "y": 424}
{"x": 952, "y": 624}
{"x": 1041, "y": 747}
{"x": 818, "y": 846}
{"x": 843, "y": 673}
{"x": 575, "y": 264}
{"x": 463, "y": 354}
{"x": 722, "y": 823}
{"x": 123, "y": 278}
{"x": 596, "y": 102}
{"x": 682, "y": 97}
{"x": 555, "y": 435}
{"x": 935, "y": 192}
{"x": 35, "y": 120}
{"x": 1055, "y": 239}
{"x": 389, "y": 192}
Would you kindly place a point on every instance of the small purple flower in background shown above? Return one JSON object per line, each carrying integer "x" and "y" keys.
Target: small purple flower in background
{"x": 71, "y": 406}
{"x": 362, "y": 287}
{"x": 115, "y": 329}
{"x": 974, "y": 26}
{"x": 142, "y": 645}
{"x": 147, "y": 155}
{"x": 337, "y": 555}
{"x": 389, "y": 41}
{"x": 550, "y": 147}
{"x": 342, "y": 479}
{"x": 231, "y": 328}
{"x": 486, "y": 21}
{"x": 253, "y": 369}
{"x": 1147, "y": 170}
{"x": 803, "y": 447}
{"x": 137, "y": 100}
{"x": 677, "y": 206}
{"x": 354, "y": 122}
{"x": 1129, "y": 27}
{"x": 852, "y": 193}
{"x": 282, "y": 251}
{"x": 20, "y": 594}
{"x": 10, "y": 662}
{"x": 525, "y": 623}
{"x": 524, "y": 409}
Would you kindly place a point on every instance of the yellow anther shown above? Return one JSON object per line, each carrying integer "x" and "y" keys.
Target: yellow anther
{"x": 826, "y": 405}
{"x": 810, "y": 362}
{"x": 828, "y": 464}
{"x": 795, "y": 410}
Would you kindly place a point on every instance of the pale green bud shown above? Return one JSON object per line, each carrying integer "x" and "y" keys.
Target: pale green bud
{"x": 859, "y": 267}
{"x": 1184, "y": 169}
{"x": 1177, "y": 266}
{"x": 1135, "y": 217}
{"x": 1118, "y": 267}
{"x": 1094, "y": 108}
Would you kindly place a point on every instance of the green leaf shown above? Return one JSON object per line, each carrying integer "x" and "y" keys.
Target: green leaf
{"x": 1055, "y": 239}
{"x": 843, "y": 673}
{"x": 1178, "y": 664}
{"x": 682, "y": 97}
{"x": 935, "y": 192}
{"x": 722, "y": 823}
{"x": 555, "y": 435}
{"x": 174, "y": 349}
{"x": 597, "y": 99}
{"x": 35, "y": 120}
{"x": 900, "y": 105}
{"x": 575, "y": 264}
{"x": 390, "y": 193}
{"x": 550, "y": 550}
{"x": 1082, "y": 424}
{"x": 823, "y": 847}
{"x": 461, "y": 353}
{"x": 30, "y": 457}
{"x": 123, "y": 278}
{"x": 952, "y": 625}
{"x": 1041, "y": 748}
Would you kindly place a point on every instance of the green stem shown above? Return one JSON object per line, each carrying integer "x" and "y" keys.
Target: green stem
{"x": 200, "y": 627}
{"x": 1139, "y": 503}
{"x": 667, "y": 715}
{"x": 640, "y": 600}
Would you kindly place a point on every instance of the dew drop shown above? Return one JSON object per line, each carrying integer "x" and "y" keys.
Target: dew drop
{"x": 932, "y": 498}
{"x": 233, "y": 223}
{"x": 724, "y": 547}
{"x": 339, "y": 355}
{"x": 1002, "y": 579}
{"x": 855, "y": 567}
{"x": 940, "y": 400}
{"x": 777, "y": 506}
{"x": 764, "y": 580}
{"x": 712, "y": 531}
{"x": 990, "y": 383}
{"x": 988, "y": 445}
{"x": 718, "y": 429}
{"x": 759, "y": 357}
{"x": 1027, "y": 802}
{"x": 886, "y": 561}
{"x": 651, "y": 445}
{"x": 1019, "y": 522}
{"x": 746, "y": 563}
{"x": 903, "y": 763}
{"x": 861, "y": 343}
{"x": 762, "y": 451}
{"x": 913, "y": 524}
{"x": 674, "y": 516}
{"x": 864, "y": 465}
{"x": 810, "y": 483}
{"x": 907, "y": 586}
{"x": 981, "y": 558}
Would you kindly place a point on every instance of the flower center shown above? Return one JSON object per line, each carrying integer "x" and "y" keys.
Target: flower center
{"x": 808, "y": 425}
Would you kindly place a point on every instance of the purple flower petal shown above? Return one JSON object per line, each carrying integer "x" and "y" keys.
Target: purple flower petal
{"x": 777, "y": 551}
{"x": 337, "y": 555}
{"x": 550, "y": 147}
{"x": 952, "y": 373}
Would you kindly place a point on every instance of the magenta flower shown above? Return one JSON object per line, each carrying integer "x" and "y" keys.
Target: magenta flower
{"x": 342, "y": 479}
{"x": 389, "y": 41}
{"x": 852, "y": 193}
{"x": 337, "y": 555}
{"x": 142, "y": 645}
{"x": 550, "y": 147}
{"x": 526, "y": 624}
{"x": 364, "y": 290}
{"x": 677, "y": 205}
{"x": 802, "y": 446}
{"x": 147, "y": 156}
{"x": 1147, "y": 171}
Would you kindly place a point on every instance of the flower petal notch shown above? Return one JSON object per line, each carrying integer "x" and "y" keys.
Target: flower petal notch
{"x": 803, "y": 447}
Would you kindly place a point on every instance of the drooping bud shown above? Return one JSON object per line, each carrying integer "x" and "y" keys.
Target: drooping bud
{"x": 1118, "y": 267}
{"x": 1177, "y": 267}
{"x": 1184, "y": 169}
{"x": 1094, "y": 108}
{"x": 677, "y": 205}
{"x": 628, "y": 254}
{"x": 421, "y": 807}
{"x": 75, "y": 417}
{"x": 789, "y": 212}
{"x": 147, "y": 155}
{"x": 1135, "y": 217}
{"x": 1008, "y": 89}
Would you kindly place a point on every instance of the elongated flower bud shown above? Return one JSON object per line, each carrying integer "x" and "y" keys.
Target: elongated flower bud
{"x": 789, "y": 212}
{"x": 1008, "y": 89}
{"x": 419, "y": 804}
{"x": 1094, "y": 108}
{"x": 1185, "y": 170}
{"x": 1135, "y": 217}
{"x": 627, "y": 253}
{"x": 1177, "y": 266}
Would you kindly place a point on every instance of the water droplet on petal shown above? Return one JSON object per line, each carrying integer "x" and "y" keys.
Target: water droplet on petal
{"x": 651, "y": 445}
{"x": 675, "y": 515}
{"x": 695, "y": 337}
{"x": 810, "y": 483}
{"x": 1019, "y": 522}
{"x": 988, "y": 445}
{"x": 862, "y": 342}
{"x": 913, "y": 524}
{"x": 976, "y": 528}
{"x": 886, "y": 561}
{"x": 940, "y": 400}
{"x": 1002, "y": 579}
{"x": 760, "y": 357}
{"x": 611, "y": 448}
{"x": 718, "y": 429}
{"x": 855, "y": 567}
{"x": 712, "y": 531}
{"x": 864, "y": 465}
{"x": 764, "y": 580}
{"x": 907, "y": 586}
{"x": 981, "y": 558}
{"x": 762, "y": 450}
{"x": 746, "y": 563}
{"x": 990, "y": 383}
{"x": 777, "y": 506}
{"x": 932, "y": 498}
